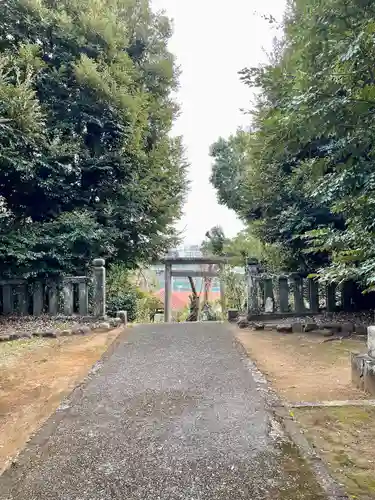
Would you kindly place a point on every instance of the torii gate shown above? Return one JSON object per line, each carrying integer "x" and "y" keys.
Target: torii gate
{"x": 184, "y": 273}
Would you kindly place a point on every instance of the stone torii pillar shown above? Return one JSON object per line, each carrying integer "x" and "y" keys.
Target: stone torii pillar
{"x": 168, "y": 293}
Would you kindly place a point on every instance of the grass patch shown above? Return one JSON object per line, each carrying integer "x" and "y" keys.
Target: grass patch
{"x": 344, "y": 437}
{"x": 10, "y": 350}
{"x": 304, "y": 485}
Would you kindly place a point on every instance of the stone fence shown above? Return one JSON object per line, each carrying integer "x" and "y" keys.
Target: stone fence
{"x": 70, "y": 295}
{"x": 293, "y": 295}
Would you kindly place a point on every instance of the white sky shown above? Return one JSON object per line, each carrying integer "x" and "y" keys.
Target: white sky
{"x": 213, "y": 40}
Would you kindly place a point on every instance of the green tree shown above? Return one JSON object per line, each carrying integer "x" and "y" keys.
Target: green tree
{"x": 308, "y": 179}
{"x": 87, "y": 165}
{"x": 214, "y": 242}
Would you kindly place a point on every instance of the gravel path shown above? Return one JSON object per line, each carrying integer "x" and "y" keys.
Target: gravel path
{"x": 174, "y": 413}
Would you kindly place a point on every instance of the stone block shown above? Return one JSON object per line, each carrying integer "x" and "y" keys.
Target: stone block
{"x": 285, "y": 328}
{"x": 363, "y": 372}
{"x": 80, "y": 329}
{"x": 310, "y": 327}
{"x": 257, "y": 326}
{"x": 25, "y": 335}
{"x": 371, "y": 340}
{"x": 4, "y": 338}
{"x": 104, "y": 326}
{"x": 333, "y": 327}
{"x": 232, "y": 315}
{"x": 243, "y": 323}
{"x": 14, "y": 336}
{"x": 115, "y": 322}
{"x": 360, "y": 329}
{"x": 357, "y": 370}
{"x": 270, "y": 326}
{"x": 297, "y": 327}
{"x": 66, "y": 333}
{"x": 52, "y": 334}
{"x": 123, "y": 315}
{"x": 347, "y": 328}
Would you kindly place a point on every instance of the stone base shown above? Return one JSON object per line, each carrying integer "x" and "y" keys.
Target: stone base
{"x": 233, "y": 315}
{"x": 363, "y": 372}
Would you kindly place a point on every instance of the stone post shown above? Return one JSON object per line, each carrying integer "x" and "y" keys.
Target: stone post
{"x": 99, "y": 288}
{"x": 83, "y": 298}
{"x": 252, "y": 287}
{"x": 371, "y": 341}
{"x": 331, "y": 297}
{"x": 269, "y": 297}
{"x": 22, "y": 299}
{"x": 53, "y": 299}
{"x": 284, "y": 294}
{"x": 38, "y": 298}
{"x": 168, "y": 293}
{"x": 314, "y": 295}
{"x": 298, "y": 294}
{"x": 123, "y": 315}
{"x": 7, "y": 299}
{"x": 68, "y": 298}
{"x": 347, "y": 296}
{"x": 363, "y": 365}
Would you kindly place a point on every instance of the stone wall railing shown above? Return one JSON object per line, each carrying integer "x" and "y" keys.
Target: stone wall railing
{"x": 290, "y": 294}
{"x": 70, "y": 295}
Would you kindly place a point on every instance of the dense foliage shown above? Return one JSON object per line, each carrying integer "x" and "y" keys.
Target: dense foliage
{"x": 307, "y": 174}
{"x": 127, "y": 292}
{"x": 87, "y": 165}
{"x": 245, "y": 247}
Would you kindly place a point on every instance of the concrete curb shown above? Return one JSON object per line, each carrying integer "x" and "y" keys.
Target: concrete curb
{"x": 282, "y": 412}
{"x": 333, "y": 404}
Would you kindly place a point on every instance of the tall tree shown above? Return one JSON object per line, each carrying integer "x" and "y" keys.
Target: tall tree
{"x": 87, "y": 165}
{"x": 309, "y": 178}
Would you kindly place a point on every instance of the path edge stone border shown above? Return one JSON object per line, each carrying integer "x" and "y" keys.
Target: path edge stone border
{"x": 76, "y": 329}
{"x": 283, "y": 413}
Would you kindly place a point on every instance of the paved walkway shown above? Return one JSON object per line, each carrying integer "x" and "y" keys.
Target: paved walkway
{"x": 174, "y": 413}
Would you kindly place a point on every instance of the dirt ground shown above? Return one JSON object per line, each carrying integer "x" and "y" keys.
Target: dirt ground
{"x": 303, "y": 368}
{"x": 344, "y": 438}
{"x": 35, "y": 375}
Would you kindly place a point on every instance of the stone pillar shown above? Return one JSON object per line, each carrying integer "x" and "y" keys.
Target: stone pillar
{"x": 363, "y": 365}
{"x": 22, "y": 299}
{"x": 298, "y": 294}
{"x": 314, "y": 295}
{"x": 284, "y": 294}
{"x": 68, "y": 298}
{"x": 38, "y": 299}
{"x": 252, "y": 288}
{"x": 331, "y": 297}
{"x": 99, "y": 288}
{"x": 83, "y": 299}
{"x": 168, "y": 293}
{"x": 371, "y": 341}
{"x": 123, "y": 315}
{"x": 268, "y": 294}
{"x": 7, "y": 299}
{"x": 53, "y": 299}
{"x": 347, "y": 296}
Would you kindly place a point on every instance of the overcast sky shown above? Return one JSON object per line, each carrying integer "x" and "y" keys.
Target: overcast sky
{"x": 213, "y": 40}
